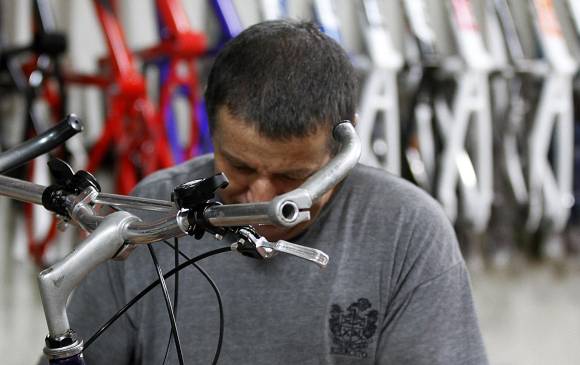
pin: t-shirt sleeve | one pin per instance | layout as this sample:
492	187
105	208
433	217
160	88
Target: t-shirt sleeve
434	324
431	316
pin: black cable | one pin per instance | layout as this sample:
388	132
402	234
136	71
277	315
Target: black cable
170	312
219	299
176	261
215	289
138	297
175	293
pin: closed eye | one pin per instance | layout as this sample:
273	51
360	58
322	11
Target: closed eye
243	168
299	176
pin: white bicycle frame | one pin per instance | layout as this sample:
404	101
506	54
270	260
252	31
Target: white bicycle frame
380	93
550	185
325	13
574	8
422	158
504	43
470	108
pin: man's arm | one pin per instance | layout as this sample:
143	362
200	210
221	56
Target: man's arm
431	316
434	324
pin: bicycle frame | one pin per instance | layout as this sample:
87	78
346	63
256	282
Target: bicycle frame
180	47
36	77
541	179
574	9
229	20
418	136
133	129
550	185
470	106
175	56
325	14
515	115
379	99
39	79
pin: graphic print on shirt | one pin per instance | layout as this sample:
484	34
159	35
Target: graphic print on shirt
352	330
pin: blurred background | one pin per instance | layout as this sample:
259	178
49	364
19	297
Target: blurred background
474	101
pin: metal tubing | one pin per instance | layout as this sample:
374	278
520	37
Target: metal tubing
339	166
21	190
238	214
165	228
57	282
285	210
135	202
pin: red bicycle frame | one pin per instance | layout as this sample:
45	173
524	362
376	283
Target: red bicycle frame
176	54
133	130
39	79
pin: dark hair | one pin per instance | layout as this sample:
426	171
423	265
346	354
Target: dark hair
286	78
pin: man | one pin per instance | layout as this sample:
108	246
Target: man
396	289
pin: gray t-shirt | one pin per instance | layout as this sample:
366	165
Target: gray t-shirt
396	290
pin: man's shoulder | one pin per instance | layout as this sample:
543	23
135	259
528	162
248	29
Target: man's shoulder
419	236
162	182
378	187
376	196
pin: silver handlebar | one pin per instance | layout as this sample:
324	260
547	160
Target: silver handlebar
286	210
112	233
117	230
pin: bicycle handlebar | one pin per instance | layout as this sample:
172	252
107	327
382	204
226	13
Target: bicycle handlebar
40	144
112	234
285	210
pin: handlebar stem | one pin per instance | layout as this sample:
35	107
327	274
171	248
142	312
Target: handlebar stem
57	282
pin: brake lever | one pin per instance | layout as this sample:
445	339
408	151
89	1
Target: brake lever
252	244
307	253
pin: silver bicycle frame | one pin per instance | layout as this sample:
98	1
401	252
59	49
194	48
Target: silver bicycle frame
422	158
574	8
550	186
470	108
380	93
325	13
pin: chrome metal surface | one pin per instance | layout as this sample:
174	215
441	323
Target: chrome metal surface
307	253
84	216
65	352
134	202
21	190
57	282
287	209
238	214
165	228
339	166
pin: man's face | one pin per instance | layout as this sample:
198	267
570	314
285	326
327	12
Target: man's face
259	168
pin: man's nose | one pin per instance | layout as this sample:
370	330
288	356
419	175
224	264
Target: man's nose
262	189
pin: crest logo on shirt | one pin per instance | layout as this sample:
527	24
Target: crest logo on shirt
352	330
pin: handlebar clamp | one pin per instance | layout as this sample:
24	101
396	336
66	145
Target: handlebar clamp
67	182
195	196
